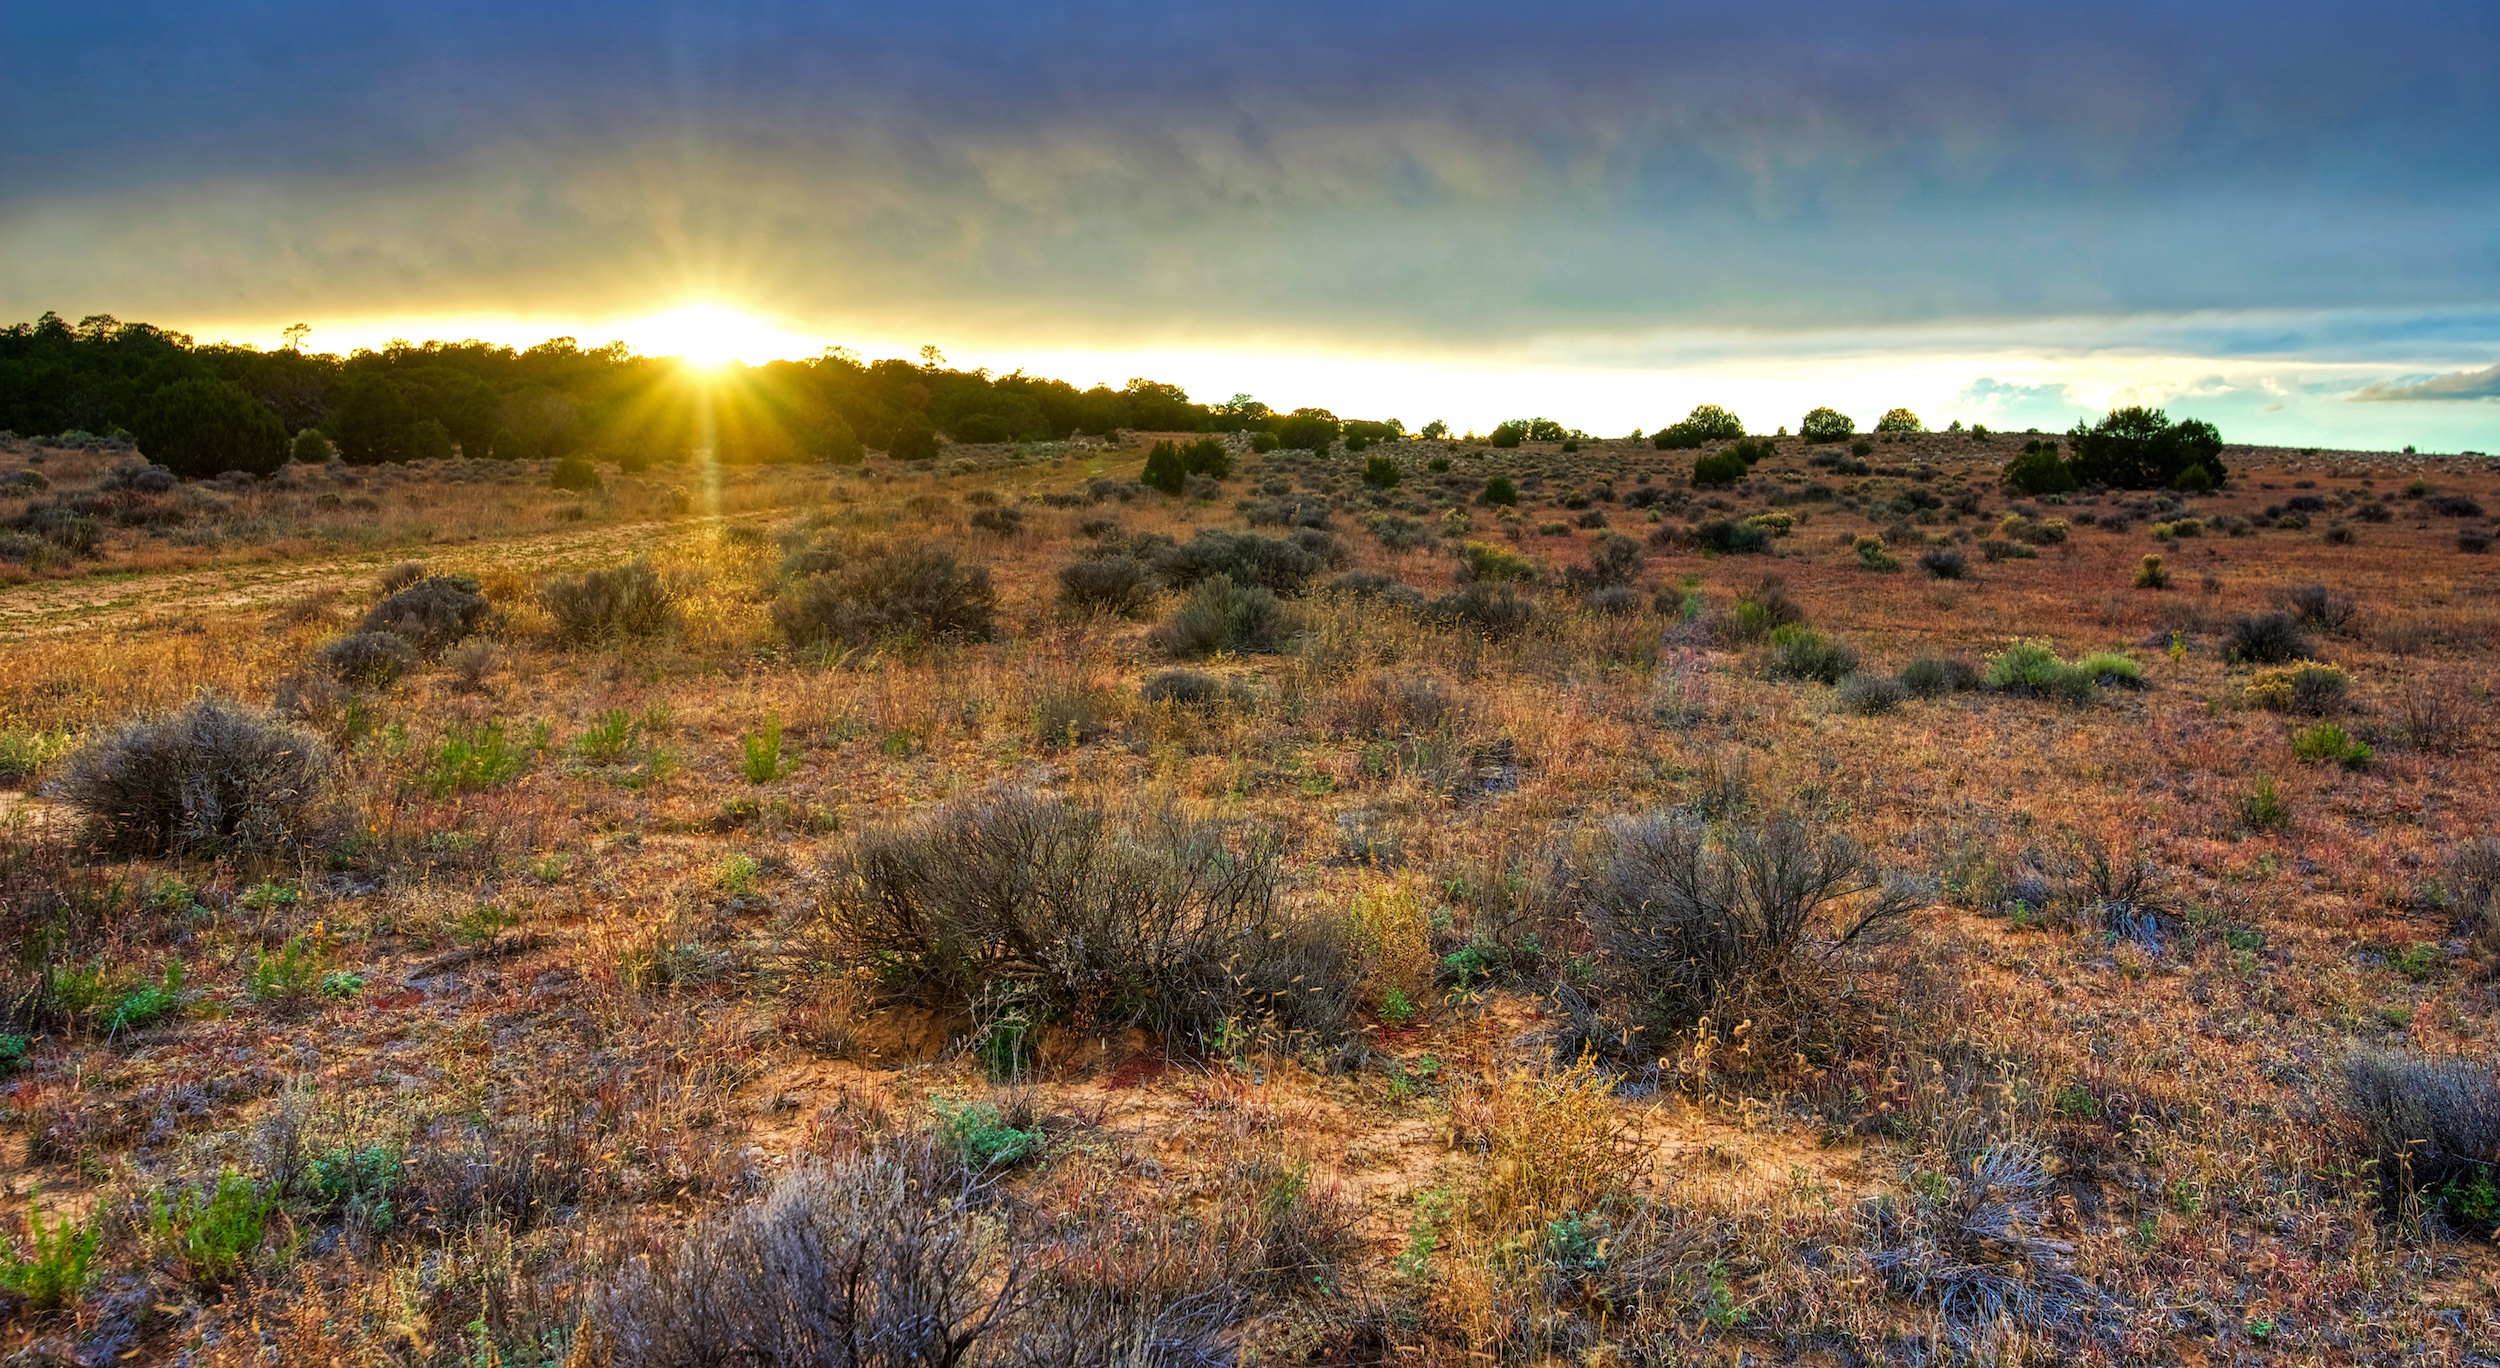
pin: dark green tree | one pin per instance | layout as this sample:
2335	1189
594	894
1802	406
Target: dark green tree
1707	423
372	423
2037	471
199	428
1166	469
1827	425
1719	471
1308	429
2141	448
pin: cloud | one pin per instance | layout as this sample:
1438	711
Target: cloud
2468	384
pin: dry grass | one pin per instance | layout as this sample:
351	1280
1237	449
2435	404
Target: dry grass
557	1002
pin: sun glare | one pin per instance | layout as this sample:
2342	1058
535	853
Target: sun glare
707	336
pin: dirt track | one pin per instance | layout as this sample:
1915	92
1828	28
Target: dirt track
122	601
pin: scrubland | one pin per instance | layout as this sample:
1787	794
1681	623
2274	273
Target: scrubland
989	912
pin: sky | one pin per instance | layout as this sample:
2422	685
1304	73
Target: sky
2283	217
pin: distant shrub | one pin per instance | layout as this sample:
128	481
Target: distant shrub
1484	562
1869	694
1159	921
2304	686
1220	615
1116	584
473	760
431	614
1722	471
1762	608
1375	587
1190	689
309	448
2030	667
1826	425
1725	537
998	522
2149	574
1380	472
1735	922
2474	881
575	473
1899	420
2264	639
1874	555
2318	607
1280	565
1799	652
1944	563
910	590
1613	559
1169	465
2032	531
2433	1126
1496	610
368	659
2111	670
2473	541
630	600
1934	676
214	778
1499	490
2327	743
1615	600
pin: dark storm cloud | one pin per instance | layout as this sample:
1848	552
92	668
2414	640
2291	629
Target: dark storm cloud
1399	167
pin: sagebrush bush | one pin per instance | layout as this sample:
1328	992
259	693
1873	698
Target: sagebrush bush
2433	1125
1943	562
2264	639
2319	607
431	614
913	590
889	1255
630	600
2304	686
1115	584
1733	922
1869	694
2474	881
1930	676
1485	563
215	778
2030	667
1191	689
1760	609
1219	615
1496	610
368	659
1282	566
1800	652
1157	920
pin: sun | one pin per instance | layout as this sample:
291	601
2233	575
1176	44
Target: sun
708	336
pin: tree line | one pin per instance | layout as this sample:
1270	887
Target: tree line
206	408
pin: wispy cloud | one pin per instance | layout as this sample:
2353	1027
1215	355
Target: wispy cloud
2466	384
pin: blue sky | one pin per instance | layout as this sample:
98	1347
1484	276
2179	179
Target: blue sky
2285	216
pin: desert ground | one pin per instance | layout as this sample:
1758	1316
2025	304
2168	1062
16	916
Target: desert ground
989	905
